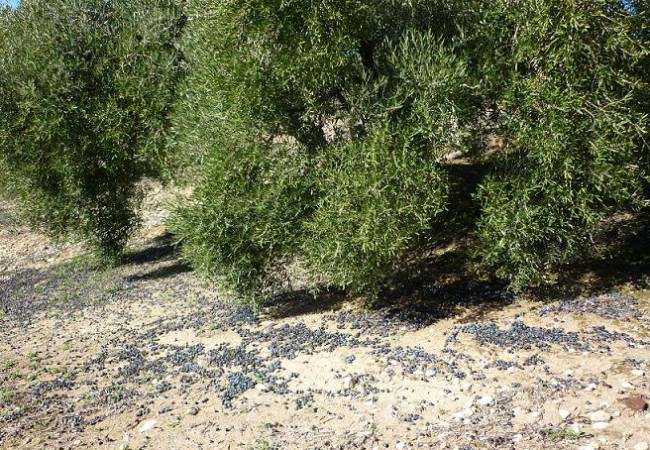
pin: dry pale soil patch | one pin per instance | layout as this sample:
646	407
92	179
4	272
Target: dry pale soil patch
146	356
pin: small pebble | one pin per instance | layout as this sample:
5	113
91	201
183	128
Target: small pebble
464	414
148	425
634	403
600	416
349	382
575	428
485	400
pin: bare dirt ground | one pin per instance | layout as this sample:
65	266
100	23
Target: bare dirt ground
147	356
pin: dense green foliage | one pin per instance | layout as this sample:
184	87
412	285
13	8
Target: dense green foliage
328	130
569	111
333	135
323	128
86	88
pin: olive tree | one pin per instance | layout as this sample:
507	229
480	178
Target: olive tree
86	90
331	134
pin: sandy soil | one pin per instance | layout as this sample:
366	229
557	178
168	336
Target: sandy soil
148	356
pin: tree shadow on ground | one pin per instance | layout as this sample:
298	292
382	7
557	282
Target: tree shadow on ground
302	302
159	251
441	284
17	296
162	272
82	281
626	262
444	279
421	295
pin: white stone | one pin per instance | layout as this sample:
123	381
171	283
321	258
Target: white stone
464	414
400	445
587	447
591	387
203	360
575	428
517	437
148	425
564	413
261	387
600	416
626	385
641	446
485	400
600	425
638	373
